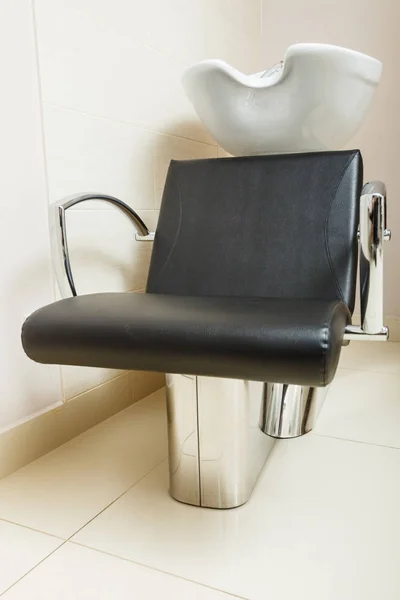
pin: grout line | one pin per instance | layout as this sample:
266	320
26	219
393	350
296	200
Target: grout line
134	404
229	594
114	120
135	39
32	569
24	420
44	150
154	161
65	541
116	499
198	442
342	439
95	387
368	371
32	529
64	399
45	168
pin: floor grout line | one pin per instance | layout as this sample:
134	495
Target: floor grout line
135	562
64	541
33	568
116	499
69	539
368	371
32	529
342	439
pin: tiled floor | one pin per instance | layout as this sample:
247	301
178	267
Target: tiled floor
93	519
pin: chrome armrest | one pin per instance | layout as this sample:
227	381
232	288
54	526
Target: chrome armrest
58	235
372	235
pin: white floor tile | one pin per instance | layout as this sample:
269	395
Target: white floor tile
20	550
364	407
323	522
77	573
383	357
63	490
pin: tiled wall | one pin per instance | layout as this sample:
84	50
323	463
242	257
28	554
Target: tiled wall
370	27
94	103
25	272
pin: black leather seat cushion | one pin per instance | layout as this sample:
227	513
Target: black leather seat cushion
262	339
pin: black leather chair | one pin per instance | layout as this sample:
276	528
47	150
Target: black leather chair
252	279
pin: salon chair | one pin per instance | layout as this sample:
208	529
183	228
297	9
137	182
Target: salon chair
249	300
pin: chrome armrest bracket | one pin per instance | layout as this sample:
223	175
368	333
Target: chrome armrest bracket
354	333
145	238
58	235
372	234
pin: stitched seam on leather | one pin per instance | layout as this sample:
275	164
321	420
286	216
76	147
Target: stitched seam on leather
179	225
325	343
326	240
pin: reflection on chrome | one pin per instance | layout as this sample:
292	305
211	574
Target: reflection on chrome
289	411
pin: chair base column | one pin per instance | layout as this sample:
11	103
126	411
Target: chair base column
289	411
216	448
216	428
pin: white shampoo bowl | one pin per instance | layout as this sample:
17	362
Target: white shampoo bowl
316	99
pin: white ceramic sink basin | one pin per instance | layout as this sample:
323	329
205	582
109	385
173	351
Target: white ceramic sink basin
316	99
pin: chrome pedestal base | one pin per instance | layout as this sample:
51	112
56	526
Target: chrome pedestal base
217	445
289	411
216	448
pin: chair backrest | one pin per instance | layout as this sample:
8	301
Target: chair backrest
260	226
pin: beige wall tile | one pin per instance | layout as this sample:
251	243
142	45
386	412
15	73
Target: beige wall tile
91	154
169	148
104	253
25	273
90	66
108	81
188	30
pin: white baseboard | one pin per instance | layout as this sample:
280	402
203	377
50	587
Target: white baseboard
30	440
